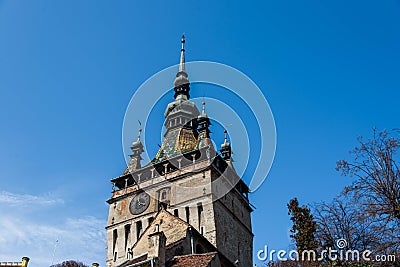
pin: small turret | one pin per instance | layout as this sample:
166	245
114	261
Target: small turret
203	123
226	150
25	261
137	150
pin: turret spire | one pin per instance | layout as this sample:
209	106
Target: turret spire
203	123
137	150
226	143
203	108
139	133
226	150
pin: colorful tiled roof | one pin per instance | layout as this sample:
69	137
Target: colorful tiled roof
176	143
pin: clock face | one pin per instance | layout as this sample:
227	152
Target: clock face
139	203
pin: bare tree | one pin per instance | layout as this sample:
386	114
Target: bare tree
377	184
366	214
342	219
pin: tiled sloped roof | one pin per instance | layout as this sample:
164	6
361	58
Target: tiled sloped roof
132	165
195	260
176	143
174	228
135	260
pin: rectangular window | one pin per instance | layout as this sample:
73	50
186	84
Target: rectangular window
187	214
139	229
176	212
115	237
150	220
199	213
127	235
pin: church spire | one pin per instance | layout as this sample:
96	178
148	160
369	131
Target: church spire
182	61
181	81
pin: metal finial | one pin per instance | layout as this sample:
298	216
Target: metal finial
203	111
138	136
183	42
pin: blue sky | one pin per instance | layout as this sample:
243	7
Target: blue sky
329	70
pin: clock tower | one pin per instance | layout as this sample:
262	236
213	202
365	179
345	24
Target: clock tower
189	190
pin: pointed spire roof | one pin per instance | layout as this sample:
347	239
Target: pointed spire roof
182	60
181	118
137	150
181	81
